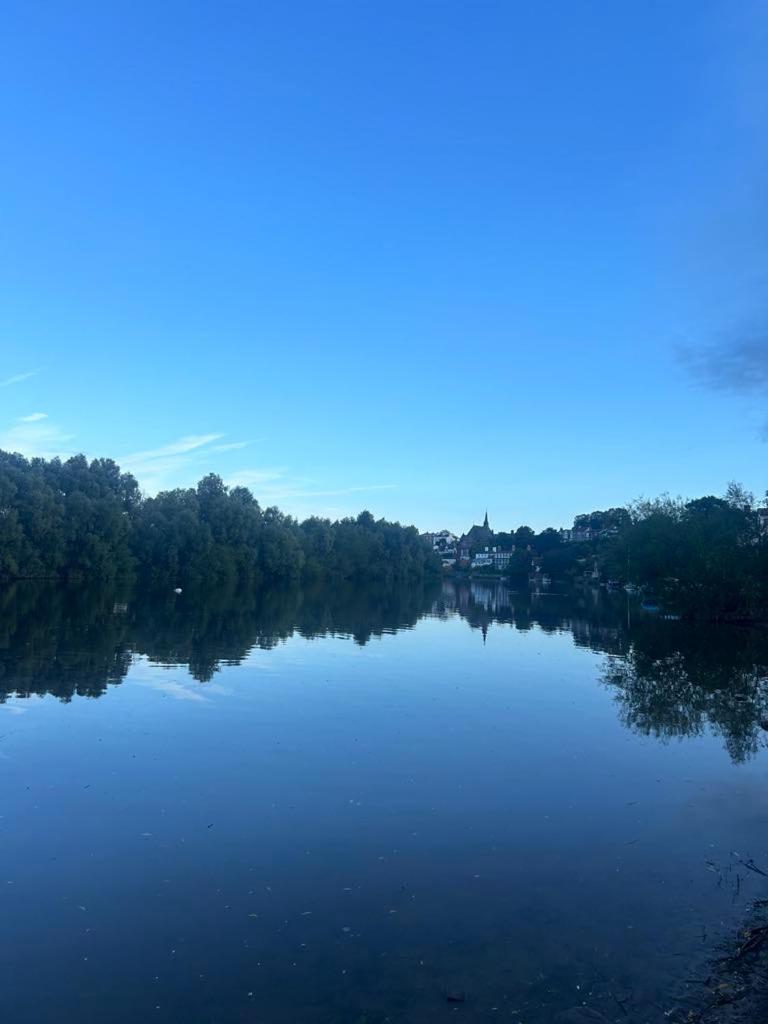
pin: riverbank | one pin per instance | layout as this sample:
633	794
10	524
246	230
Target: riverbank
733	987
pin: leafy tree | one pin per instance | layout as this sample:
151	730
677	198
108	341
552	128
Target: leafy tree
81	518
524	536
547	540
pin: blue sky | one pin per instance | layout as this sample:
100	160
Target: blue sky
417	257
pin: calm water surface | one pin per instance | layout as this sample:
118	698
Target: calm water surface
340	806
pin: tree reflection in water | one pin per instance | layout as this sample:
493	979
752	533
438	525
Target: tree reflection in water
676	680
78	641
669	679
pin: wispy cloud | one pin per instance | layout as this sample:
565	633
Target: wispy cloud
275	486
290	492
180	447
159	468
36	437
737	366
17	378
256	477
232	446
171	688
183	461
170	465
14	709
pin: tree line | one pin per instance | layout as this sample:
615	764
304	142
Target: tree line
80	518
703	557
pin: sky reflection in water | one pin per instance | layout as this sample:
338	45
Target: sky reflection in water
339	805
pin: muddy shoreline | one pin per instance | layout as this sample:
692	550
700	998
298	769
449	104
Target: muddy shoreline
731	988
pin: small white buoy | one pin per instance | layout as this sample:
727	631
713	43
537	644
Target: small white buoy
177	590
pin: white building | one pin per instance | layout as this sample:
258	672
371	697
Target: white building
444	543
492	557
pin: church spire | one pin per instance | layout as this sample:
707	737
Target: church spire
485	521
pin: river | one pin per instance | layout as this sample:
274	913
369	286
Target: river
369	805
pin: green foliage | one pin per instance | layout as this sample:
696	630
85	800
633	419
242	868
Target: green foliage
65	518
563	561
77	519
706	556
547	540
608	519
524	536
521	563
366	548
